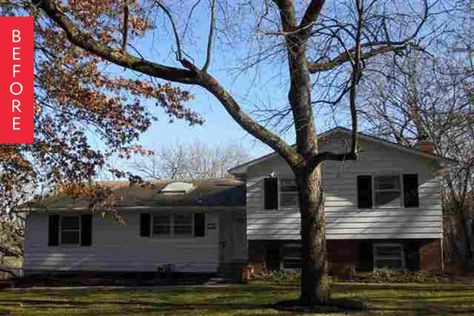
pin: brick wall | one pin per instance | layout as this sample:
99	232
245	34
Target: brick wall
430	255
344	256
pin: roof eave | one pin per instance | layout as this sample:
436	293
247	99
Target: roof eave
242	169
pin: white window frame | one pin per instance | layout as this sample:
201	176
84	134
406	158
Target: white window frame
297	258
79	230
172	233
192	225
402	189
280	193
376	258
152	224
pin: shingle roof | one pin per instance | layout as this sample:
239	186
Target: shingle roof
207	192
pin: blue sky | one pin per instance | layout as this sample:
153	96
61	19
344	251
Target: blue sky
267	85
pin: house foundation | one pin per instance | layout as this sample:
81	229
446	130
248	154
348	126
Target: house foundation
347	256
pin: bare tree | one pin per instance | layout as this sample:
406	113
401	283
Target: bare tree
324	47
188	161
421	99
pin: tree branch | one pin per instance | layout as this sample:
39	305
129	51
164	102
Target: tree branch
210	38
125	26
179	52
87	42
246	122
355	78
190	75
377	47
315	67
310	16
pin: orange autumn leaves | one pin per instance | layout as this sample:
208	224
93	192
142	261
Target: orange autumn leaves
86	110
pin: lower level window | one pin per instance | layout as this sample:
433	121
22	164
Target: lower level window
389	257
292	257
70	230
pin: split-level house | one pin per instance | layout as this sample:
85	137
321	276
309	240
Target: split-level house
382	211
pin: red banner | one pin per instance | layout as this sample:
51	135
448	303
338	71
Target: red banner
16	80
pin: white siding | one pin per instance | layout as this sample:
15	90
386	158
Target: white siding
269	224
344	219
117	247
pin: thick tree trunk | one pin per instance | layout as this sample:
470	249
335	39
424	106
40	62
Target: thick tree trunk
314	274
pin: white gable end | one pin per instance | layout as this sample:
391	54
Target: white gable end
343	217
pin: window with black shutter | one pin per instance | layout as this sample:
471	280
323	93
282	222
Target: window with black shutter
410	190
86	230
271	193
364	191
53	230
145	225
70	230
199	224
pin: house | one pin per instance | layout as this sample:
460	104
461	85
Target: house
382	211
196	226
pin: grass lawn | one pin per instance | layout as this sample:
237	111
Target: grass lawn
254	299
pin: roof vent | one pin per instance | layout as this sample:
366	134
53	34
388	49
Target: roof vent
175	188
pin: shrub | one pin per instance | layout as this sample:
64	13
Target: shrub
279	277
387	276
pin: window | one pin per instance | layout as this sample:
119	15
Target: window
292	257
183	225
162	224
389	257
70	230
179	225
288	193
387	190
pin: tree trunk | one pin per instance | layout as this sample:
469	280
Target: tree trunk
314	273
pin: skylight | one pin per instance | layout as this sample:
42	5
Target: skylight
177	188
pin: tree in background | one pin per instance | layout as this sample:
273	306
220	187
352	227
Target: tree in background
430	98
188	161
324	49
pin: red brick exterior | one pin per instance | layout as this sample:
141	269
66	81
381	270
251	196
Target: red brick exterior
344	257
430	255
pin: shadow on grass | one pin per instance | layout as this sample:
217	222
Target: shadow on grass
31	303
341	305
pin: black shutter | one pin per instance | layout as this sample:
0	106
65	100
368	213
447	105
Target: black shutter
271	193
412	255
145	224
53	230
410	190
364	191
365	256
199	224
86	230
